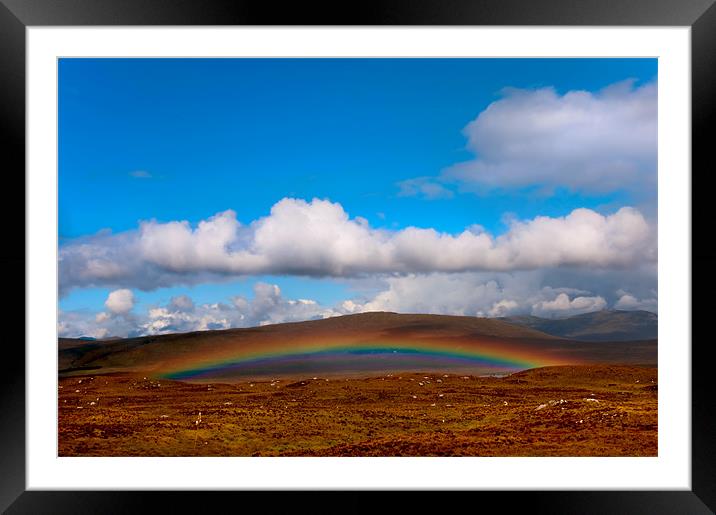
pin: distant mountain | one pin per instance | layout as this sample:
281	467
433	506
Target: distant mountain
607	325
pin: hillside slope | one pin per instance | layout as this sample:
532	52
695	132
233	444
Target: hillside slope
351	344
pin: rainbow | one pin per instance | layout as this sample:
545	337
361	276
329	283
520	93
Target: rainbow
371	355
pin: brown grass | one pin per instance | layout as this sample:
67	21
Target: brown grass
390	415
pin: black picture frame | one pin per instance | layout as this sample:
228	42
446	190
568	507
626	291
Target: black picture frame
17	15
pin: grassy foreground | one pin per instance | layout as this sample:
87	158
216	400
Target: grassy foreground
552	411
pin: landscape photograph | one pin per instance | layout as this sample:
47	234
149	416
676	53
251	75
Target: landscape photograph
353	257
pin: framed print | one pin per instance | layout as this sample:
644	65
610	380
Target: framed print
419	248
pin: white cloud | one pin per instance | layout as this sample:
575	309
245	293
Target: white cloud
268	306
503	308
629	302
160	320
484	294
563	306
588	142
181	314
73	324
455	294
478	294
120	302
318	238
118	320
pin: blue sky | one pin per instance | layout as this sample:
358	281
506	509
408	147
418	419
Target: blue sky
185	139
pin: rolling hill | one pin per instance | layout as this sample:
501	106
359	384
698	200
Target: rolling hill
346	345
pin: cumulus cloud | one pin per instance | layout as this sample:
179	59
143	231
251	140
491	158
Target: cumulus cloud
629	302
479	294
169	319
455	294
584	141
503	308
318	238
268	306
73	324
180	314
482	294
120	302
118	320
564	306
423	187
